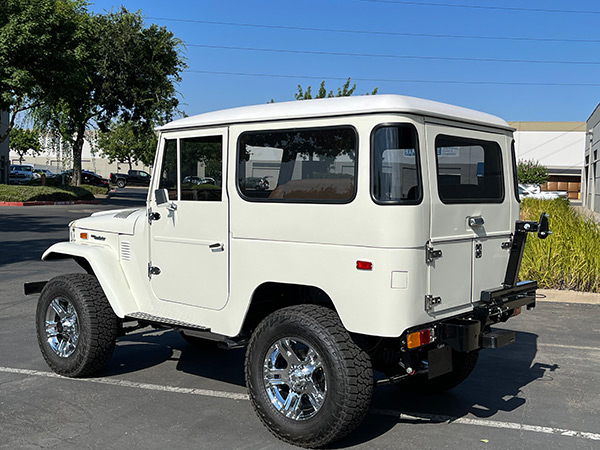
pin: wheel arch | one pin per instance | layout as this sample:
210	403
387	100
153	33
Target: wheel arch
271	296
103	263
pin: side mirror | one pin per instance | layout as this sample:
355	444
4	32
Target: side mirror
544	227
162	196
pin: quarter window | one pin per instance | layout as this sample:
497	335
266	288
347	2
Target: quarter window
316	165
469	170
395	165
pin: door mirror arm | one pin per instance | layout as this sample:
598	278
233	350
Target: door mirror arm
162	199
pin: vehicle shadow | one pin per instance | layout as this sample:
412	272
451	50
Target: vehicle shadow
495	385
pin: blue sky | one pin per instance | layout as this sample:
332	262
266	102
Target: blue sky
428	66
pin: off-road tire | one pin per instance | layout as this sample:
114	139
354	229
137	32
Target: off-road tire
462	366
346	367
121	183
97	323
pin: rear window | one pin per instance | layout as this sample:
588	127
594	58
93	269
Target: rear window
469	170
309	165
395	170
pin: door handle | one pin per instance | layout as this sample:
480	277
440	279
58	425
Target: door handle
217	246
476	221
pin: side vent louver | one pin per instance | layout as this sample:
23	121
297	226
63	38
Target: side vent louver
125	251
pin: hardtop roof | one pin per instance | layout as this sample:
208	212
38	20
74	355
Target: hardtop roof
338	106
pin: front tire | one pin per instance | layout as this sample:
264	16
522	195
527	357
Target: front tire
76	326
308	381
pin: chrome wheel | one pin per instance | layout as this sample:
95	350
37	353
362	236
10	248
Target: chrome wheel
294	379
62	327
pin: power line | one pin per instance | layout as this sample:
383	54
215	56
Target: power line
395	80
496	8
379	55
373	32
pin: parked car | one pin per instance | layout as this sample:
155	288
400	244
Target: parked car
534	191
94	179
47	172
397	259
192	179
132	178
22	173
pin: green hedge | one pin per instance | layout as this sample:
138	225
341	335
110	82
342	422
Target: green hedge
11	193
570	257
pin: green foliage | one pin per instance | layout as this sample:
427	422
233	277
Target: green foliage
344	91
37	47
43	193
531	172
124	69
570	257
24	141
128	143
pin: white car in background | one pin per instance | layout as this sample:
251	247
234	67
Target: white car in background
535	191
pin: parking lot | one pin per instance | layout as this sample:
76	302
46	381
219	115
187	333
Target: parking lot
542	392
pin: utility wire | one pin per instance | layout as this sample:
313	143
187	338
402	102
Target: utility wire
395	80
379	55
496	8
373	32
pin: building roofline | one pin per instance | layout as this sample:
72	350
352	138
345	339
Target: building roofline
549	126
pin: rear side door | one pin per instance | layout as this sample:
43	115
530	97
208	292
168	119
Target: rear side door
470	216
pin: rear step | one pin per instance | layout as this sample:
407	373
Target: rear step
497	338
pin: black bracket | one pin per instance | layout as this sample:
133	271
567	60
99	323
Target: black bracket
522	228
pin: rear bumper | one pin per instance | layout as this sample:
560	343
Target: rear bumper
472	332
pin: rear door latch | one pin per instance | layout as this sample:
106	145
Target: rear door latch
431	301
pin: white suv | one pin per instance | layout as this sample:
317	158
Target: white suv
386	239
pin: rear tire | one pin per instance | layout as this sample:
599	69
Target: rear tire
121	183
308	381
76	326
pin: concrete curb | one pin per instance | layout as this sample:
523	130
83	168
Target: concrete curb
554	295
73	202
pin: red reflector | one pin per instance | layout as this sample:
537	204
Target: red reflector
425	336
364	265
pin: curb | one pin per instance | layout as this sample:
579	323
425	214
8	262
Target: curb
554	295
72	202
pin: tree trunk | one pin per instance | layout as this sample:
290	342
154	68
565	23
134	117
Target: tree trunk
77	151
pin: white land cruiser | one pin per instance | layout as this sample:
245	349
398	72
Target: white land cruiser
386	238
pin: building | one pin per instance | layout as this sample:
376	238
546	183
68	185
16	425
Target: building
4	157
57	158
559	147
591	167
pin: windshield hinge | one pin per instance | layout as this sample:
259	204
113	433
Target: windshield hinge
431	254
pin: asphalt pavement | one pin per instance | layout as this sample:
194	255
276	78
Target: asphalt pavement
542	392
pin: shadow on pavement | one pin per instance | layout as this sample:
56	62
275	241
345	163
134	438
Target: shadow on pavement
494	386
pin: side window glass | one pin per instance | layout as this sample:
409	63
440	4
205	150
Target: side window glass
201	168
395	165
515	173
469	170
315	165
168	176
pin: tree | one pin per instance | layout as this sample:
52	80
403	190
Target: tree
37	44
344	91
125	70
24	141
129	144
531	172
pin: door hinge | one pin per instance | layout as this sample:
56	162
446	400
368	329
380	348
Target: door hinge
431	253
152	270
152	216
478	250
431	301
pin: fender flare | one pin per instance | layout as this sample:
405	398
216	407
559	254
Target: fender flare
105	266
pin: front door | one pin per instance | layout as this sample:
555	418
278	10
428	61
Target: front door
189	247
470	217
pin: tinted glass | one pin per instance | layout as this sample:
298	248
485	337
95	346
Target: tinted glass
396	175
201	168
514	168
168	174
469	170
300	165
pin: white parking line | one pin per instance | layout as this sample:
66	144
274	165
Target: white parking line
385	412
